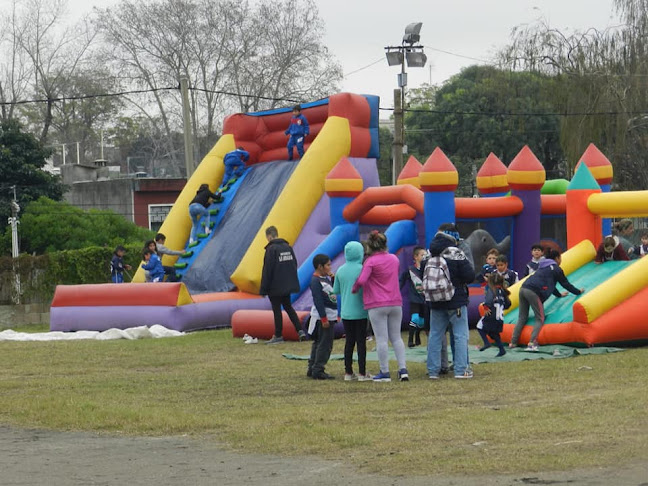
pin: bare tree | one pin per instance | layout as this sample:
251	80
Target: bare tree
236	57
55	50
15	71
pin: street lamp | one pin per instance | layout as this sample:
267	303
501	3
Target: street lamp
412	54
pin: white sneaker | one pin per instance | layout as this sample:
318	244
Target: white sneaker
366	377
350	377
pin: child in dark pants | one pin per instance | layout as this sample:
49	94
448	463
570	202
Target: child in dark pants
495	302
323	317
354	315
414	276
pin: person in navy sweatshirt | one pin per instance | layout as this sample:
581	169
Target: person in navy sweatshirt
535	290
414	277
510	276
297	131
234	162
323	317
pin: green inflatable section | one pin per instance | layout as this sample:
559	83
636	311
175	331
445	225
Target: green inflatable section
555	186
588	277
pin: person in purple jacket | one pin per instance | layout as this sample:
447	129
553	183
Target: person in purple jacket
382	299
535	290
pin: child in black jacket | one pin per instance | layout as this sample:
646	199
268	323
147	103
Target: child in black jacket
323	317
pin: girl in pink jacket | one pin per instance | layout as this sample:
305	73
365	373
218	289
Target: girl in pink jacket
382	299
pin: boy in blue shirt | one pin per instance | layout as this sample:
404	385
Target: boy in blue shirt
323	317
153	265
297	131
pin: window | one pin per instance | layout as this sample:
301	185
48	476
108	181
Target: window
157	213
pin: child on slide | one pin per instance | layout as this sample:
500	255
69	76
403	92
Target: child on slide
535	291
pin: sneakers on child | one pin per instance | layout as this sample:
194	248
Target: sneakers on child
365	377
433	377
302	336
350	377
468	374
382	377
532	347
275	340
403	375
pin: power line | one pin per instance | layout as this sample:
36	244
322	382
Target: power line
530	113
380	59
458	55
84	97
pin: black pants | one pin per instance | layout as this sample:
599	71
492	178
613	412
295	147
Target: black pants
277	302
321	348
170	274
355	331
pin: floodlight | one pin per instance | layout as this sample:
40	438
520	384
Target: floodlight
416	59
412	32
394	58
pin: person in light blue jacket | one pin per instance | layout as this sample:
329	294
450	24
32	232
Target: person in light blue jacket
353	313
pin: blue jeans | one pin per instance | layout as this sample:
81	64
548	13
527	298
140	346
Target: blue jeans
196	210
440	320
296	140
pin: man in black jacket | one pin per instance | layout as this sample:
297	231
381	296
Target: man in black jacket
278	281
453	312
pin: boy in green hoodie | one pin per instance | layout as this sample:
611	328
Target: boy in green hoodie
354	315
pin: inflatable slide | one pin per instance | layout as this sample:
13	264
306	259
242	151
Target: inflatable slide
222	273
607	314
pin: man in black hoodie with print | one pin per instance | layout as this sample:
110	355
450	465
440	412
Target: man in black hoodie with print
278	281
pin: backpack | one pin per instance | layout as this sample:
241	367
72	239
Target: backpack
437	285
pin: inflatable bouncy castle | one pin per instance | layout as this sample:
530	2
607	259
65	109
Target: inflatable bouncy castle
333	196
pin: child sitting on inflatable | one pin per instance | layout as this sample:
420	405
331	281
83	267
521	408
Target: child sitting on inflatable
610	250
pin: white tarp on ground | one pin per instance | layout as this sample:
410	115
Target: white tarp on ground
142	332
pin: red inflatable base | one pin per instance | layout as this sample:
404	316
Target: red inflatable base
260	324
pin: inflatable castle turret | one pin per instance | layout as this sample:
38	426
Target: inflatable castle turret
439	180
582	224
492	181
342	185
526	175
602	170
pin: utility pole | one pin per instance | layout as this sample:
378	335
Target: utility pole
397	146
13	221
186	122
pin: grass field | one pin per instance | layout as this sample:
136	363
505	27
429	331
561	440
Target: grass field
536	415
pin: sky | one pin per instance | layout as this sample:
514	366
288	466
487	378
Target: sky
453	32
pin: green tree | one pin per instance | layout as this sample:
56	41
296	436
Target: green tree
601	82
479	111
48	226
22	158
385	140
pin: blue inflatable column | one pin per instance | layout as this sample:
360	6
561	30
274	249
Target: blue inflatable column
439	180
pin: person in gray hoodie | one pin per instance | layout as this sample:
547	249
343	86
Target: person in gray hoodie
354	315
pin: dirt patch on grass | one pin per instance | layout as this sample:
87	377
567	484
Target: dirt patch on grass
29	457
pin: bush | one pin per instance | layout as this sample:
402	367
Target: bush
39	275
